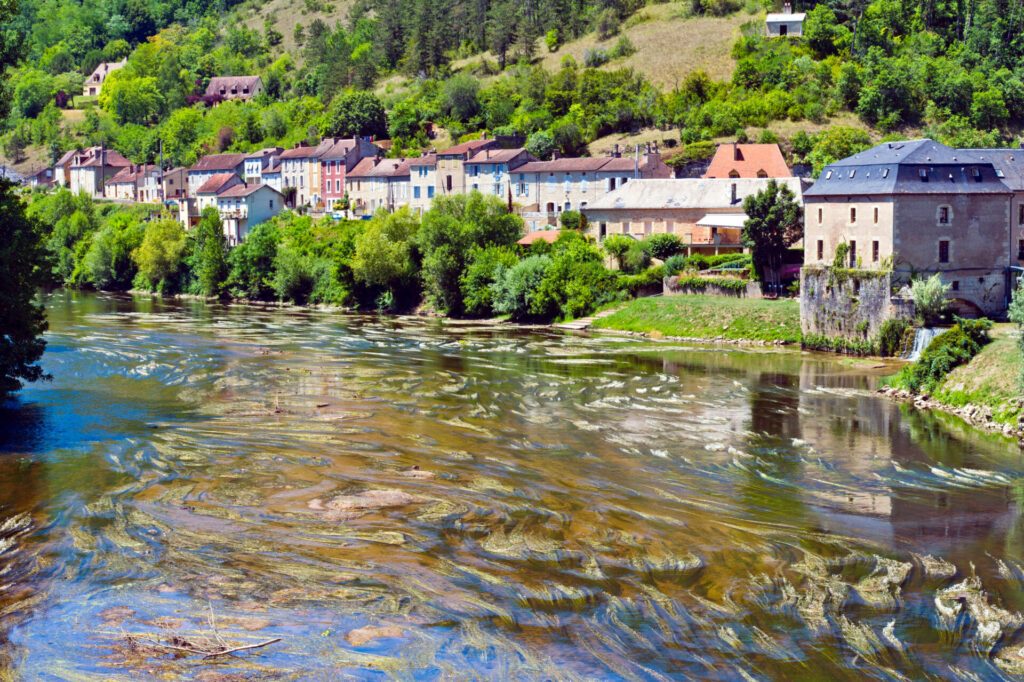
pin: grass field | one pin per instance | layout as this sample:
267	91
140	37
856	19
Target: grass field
709	317
991	379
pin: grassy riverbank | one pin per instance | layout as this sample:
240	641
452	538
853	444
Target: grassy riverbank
990	380
709	317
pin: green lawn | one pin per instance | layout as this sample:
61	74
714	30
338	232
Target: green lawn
991	379
709	317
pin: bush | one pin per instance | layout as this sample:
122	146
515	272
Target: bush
675	264
515	288
664	246
636	259
929	297
477	282
573	220
595	57
945	353
891	337
623	48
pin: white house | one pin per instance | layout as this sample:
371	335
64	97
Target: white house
214	164
243	207
785	24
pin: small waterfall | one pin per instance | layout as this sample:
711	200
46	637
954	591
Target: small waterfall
922	337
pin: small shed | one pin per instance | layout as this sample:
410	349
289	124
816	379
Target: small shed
787	23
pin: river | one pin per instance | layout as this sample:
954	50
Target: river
415	499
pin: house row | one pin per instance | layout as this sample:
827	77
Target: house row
922	208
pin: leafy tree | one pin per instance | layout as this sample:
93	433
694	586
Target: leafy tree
450	229
1017	317
460	100
477	282
515	288
208	261
385	254
929	296
22	319
773	224
33	90
617	245
837	143
664	246
251	263
160	256
108	263
131	100
354	114
541	144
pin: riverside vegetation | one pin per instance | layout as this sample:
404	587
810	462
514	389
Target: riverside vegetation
410	69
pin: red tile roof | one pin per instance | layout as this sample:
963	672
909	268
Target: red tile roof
549	236
217	183
237	83
363	169
131	174
466	147
748	161
219	162
243	190
425	160
91	158
497	155
300	152
581	164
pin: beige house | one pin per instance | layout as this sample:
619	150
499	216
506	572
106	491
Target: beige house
211	165
707	214
422	182
547	188
377	183
128	184
450	169
234	87
90	169
94	83
925	208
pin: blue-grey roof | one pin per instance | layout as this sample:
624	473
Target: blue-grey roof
915	167
1008	162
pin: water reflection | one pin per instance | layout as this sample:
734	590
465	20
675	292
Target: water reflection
503	503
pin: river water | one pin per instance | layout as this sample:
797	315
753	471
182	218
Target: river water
414	499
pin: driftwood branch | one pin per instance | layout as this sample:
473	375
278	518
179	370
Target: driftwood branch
206	653
242	648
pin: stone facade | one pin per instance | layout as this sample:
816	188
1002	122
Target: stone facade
847	304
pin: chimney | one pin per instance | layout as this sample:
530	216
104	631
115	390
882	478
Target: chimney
736	155
616	153
787	8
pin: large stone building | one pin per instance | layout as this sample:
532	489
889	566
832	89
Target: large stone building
707	214
922	208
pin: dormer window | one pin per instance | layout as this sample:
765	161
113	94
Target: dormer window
999	174
885	172
828	175
853	173
922	173
977	174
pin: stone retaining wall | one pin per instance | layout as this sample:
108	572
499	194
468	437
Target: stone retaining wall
673	288
848	304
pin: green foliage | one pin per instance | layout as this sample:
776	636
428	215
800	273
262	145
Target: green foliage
637	257
773	225
617	245
891	337
22	320
108	263
838	344
836	143
160	257
208	258
1017	317
573	220
945	353
385	254
675	264
929	296
355	114
451	229
477	281
251	263
515	288
664	246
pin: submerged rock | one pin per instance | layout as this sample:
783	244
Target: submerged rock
352	506
883	587
369	633
937	568
990	622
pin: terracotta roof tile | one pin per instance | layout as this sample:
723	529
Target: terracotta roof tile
242	190
748	160
219	162
466	147
216	183
497	155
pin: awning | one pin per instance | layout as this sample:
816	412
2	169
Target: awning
734	220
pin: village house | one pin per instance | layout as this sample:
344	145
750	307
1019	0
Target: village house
90	169
170	185
450	170
921	208
126	185
748	161
234	87
336	161
256	162
271	175
244	206
62	169
423	182
94	83
545	189
706	214
489	171
214	164
376	184
786	23
1009	165
42	178
191	208
300	168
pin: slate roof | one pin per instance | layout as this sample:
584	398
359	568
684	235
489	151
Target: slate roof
243	190
915	167
1009	162
700	193
219	162
493	156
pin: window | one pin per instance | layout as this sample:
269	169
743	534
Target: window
853	254
944	251
922	173
337	185
734	198
1020	249
828	175
551	179
821	249
853	215
956	285
853	173
604	229
874	251
977	174
885	172
448	182
876	215
943	215
611	185
271	204
430	192
1020	214
416	192
819	216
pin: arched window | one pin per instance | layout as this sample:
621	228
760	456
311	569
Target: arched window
734	174
762	174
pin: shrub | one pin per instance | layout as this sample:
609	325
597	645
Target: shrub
514	288
636	259
929	297
945	353
891	336
573	220
595	57
623	48
675	264
617	245
697	262
664	246
477	281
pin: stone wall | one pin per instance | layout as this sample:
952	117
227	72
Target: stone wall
672	287
847	304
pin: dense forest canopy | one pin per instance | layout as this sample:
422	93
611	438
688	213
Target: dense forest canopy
950	69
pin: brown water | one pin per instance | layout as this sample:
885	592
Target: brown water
553	507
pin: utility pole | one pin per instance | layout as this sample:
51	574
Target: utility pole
160	174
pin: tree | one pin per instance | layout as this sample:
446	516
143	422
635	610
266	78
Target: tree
773	224
664	246
131	100
209	258
1017	317
385	253
22	319
929	297
108	263
460	99
159	257
251	263
837	143
355	114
